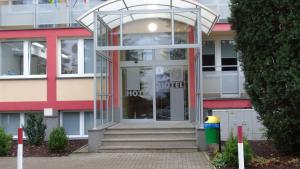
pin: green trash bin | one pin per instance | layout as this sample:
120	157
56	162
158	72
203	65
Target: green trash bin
212	130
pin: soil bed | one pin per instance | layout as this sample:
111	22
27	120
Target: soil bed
267	157
43	151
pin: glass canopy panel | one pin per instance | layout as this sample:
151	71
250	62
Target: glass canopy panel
150	7
132	3
183	4
88	21
147	29
127	5
107	36
115	6
184	33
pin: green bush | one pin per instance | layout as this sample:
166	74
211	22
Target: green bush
35	129
230	155
58	140
268	41
5	142
219	161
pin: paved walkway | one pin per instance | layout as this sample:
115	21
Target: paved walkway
114	161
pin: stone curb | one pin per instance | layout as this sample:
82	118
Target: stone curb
207	158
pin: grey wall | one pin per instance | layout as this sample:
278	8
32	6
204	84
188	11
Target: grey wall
231	118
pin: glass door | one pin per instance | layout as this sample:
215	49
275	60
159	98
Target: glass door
154	85
171	93
137	92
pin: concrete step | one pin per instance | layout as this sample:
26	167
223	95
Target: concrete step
136	135
145	149
152	129
150	142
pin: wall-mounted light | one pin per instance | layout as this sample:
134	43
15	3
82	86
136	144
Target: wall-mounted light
152	27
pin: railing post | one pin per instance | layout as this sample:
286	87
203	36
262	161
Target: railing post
35	13
241	148
20	149
70	9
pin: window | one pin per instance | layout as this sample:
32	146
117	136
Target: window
228	55
12	58
208	55
10	122
77	123
38	55
21	2
77	57
70	121
88	121
69	56
88	56
22	58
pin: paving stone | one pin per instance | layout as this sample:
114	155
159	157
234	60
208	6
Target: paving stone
195	160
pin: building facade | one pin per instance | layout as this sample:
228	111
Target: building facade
47	66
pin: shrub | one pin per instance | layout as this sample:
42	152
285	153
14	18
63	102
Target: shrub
230	155
268	38
219	161
231	152
58	140
5	142
35	129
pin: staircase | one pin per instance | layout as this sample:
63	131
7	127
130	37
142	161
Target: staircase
149	139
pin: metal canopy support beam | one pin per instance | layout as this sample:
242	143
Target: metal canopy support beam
95	70
150	11
175	46
199	83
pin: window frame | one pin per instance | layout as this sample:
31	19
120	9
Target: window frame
229	66
81	123
26	60
214	66
80	59
22	121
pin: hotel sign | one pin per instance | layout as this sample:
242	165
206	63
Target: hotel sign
160	86
169	85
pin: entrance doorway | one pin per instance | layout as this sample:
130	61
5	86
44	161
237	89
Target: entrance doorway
154	87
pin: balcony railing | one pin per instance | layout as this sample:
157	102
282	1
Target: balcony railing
223	84
63	15
42	15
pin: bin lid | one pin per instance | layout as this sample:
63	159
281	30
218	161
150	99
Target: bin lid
213	119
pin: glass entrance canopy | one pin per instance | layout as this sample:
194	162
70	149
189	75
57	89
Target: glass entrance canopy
208	17
149	24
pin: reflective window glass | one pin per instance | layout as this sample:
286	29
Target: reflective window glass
171	93
208	54
71	122
88	121
38	58
10	122
229	55
69	56
11	58
88	56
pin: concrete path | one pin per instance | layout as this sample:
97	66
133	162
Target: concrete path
114	161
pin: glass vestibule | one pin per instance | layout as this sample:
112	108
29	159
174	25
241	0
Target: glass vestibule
114	15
